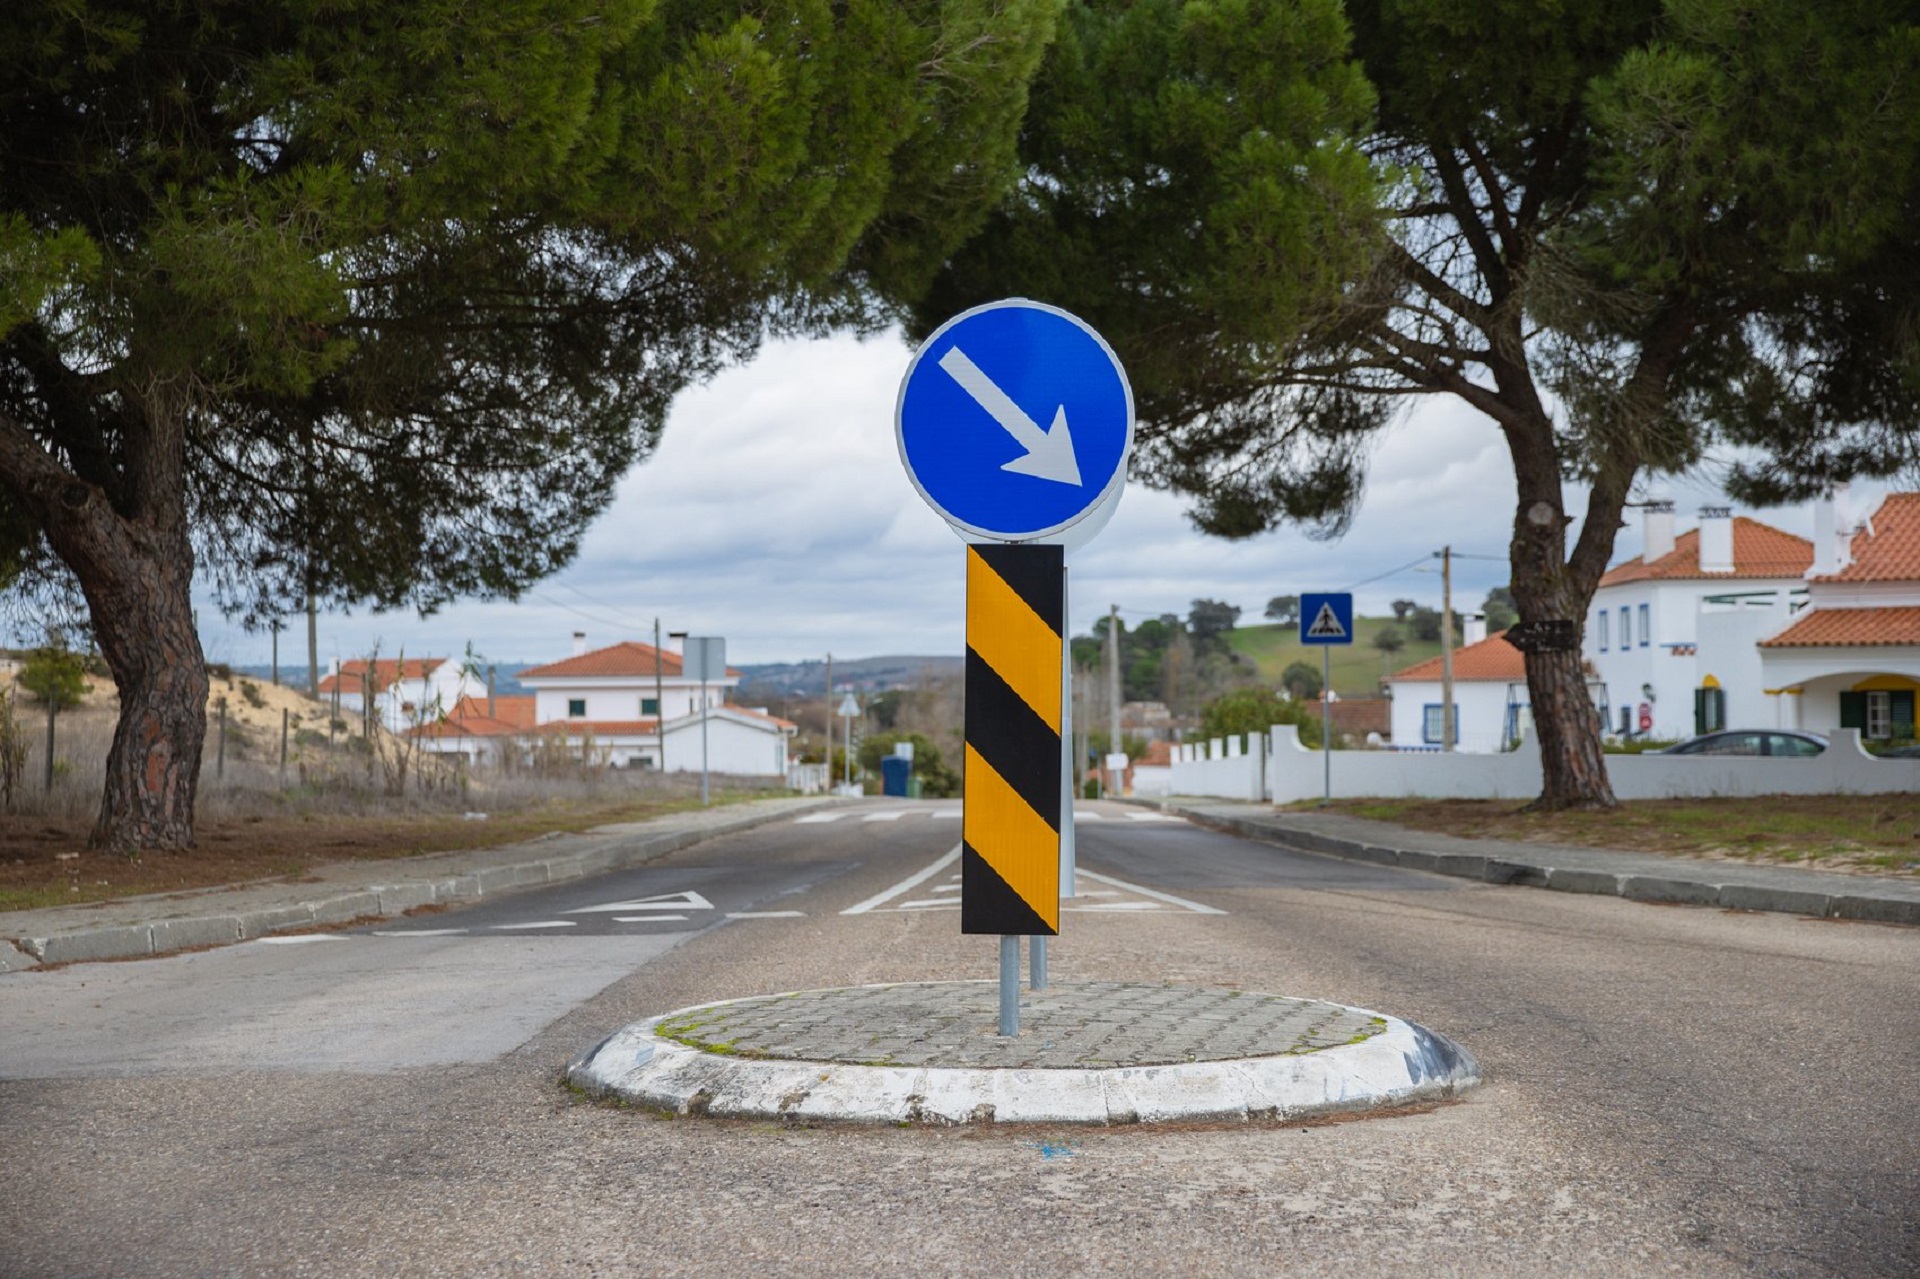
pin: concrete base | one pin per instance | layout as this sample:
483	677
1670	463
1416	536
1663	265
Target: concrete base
1400	1064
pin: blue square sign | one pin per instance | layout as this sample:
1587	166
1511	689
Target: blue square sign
1326	619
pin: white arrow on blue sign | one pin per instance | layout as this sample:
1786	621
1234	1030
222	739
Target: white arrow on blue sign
969	421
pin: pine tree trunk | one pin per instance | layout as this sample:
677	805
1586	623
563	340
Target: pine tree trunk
131	552
1573	772
143	621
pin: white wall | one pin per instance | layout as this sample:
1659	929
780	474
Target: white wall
1844	768
1229	768
732	747
1480	713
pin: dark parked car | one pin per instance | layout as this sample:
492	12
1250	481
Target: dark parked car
1902	752
1752	741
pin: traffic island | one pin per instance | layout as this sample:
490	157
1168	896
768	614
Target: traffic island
1088	1053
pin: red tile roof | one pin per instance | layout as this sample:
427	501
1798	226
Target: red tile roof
469	718
1759	550
1887	547
352	677
626	658
759	714
1490	659
1850	628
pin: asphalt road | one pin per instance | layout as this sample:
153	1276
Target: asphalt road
1670	1090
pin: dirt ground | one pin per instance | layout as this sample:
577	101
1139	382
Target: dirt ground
1866	834
45	862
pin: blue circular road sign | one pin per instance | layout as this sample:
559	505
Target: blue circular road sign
1015	421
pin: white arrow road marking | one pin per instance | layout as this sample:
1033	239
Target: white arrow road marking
818	817
1049	453
688	900
893	816
424	932
1169	898
299	939
766	914
548	923
906	885
646	919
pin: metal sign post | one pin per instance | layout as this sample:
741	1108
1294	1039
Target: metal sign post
704	659
1326	620
969	423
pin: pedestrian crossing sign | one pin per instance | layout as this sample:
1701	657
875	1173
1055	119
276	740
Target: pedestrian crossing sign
1326	619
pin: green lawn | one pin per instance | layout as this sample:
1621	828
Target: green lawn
1357	667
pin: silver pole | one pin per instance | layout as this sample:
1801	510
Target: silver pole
1010	985
1326	720
1037	963
1069	770
703	727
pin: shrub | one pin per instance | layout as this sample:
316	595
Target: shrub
54	674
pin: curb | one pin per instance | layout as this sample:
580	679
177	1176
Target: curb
134	941
1405	1064
1675	889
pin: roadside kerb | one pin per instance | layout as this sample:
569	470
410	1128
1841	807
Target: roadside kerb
604	849
1640	877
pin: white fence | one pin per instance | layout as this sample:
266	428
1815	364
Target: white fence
1844	768
1227	767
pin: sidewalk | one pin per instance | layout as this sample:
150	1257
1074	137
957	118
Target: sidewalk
344	891
1644	877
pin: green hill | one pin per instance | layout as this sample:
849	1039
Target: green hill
1357	667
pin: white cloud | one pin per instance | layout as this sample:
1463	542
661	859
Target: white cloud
775	512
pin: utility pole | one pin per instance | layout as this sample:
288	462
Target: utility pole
1113	688
1446	649
826	728
313	641
274	626
659	697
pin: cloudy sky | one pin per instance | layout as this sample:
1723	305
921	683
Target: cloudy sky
775	513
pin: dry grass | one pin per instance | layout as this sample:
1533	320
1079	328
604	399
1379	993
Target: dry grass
255	821
1870	834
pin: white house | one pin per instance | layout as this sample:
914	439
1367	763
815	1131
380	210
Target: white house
405	692
1490	701
1673	632
1851	657
630	702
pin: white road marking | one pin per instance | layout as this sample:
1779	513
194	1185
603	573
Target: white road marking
818	817
1169	898
945	888
1117	906
688	900
906	885
298	940
894	816
1088	815
943	814
545	923
647	919
933	903
1154	817
766	914
423	932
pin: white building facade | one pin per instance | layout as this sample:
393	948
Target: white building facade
1491	705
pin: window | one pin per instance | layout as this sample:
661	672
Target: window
1879	714
1603	630
1709	710
1646	626
649	706
576	708
1626	629
1431	727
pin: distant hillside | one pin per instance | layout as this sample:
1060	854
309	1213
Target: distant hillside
1357	667
869	674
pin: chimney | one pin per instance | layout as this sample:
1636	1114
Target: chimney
1473	628
1716	539
1832	533
579	643
676	642
1656	528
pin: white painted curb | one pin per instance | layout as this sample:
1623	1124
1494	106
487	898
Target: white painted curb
1405	1063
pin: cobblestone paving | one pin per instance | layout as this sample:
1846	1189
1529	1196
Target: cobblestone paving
1086	1025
